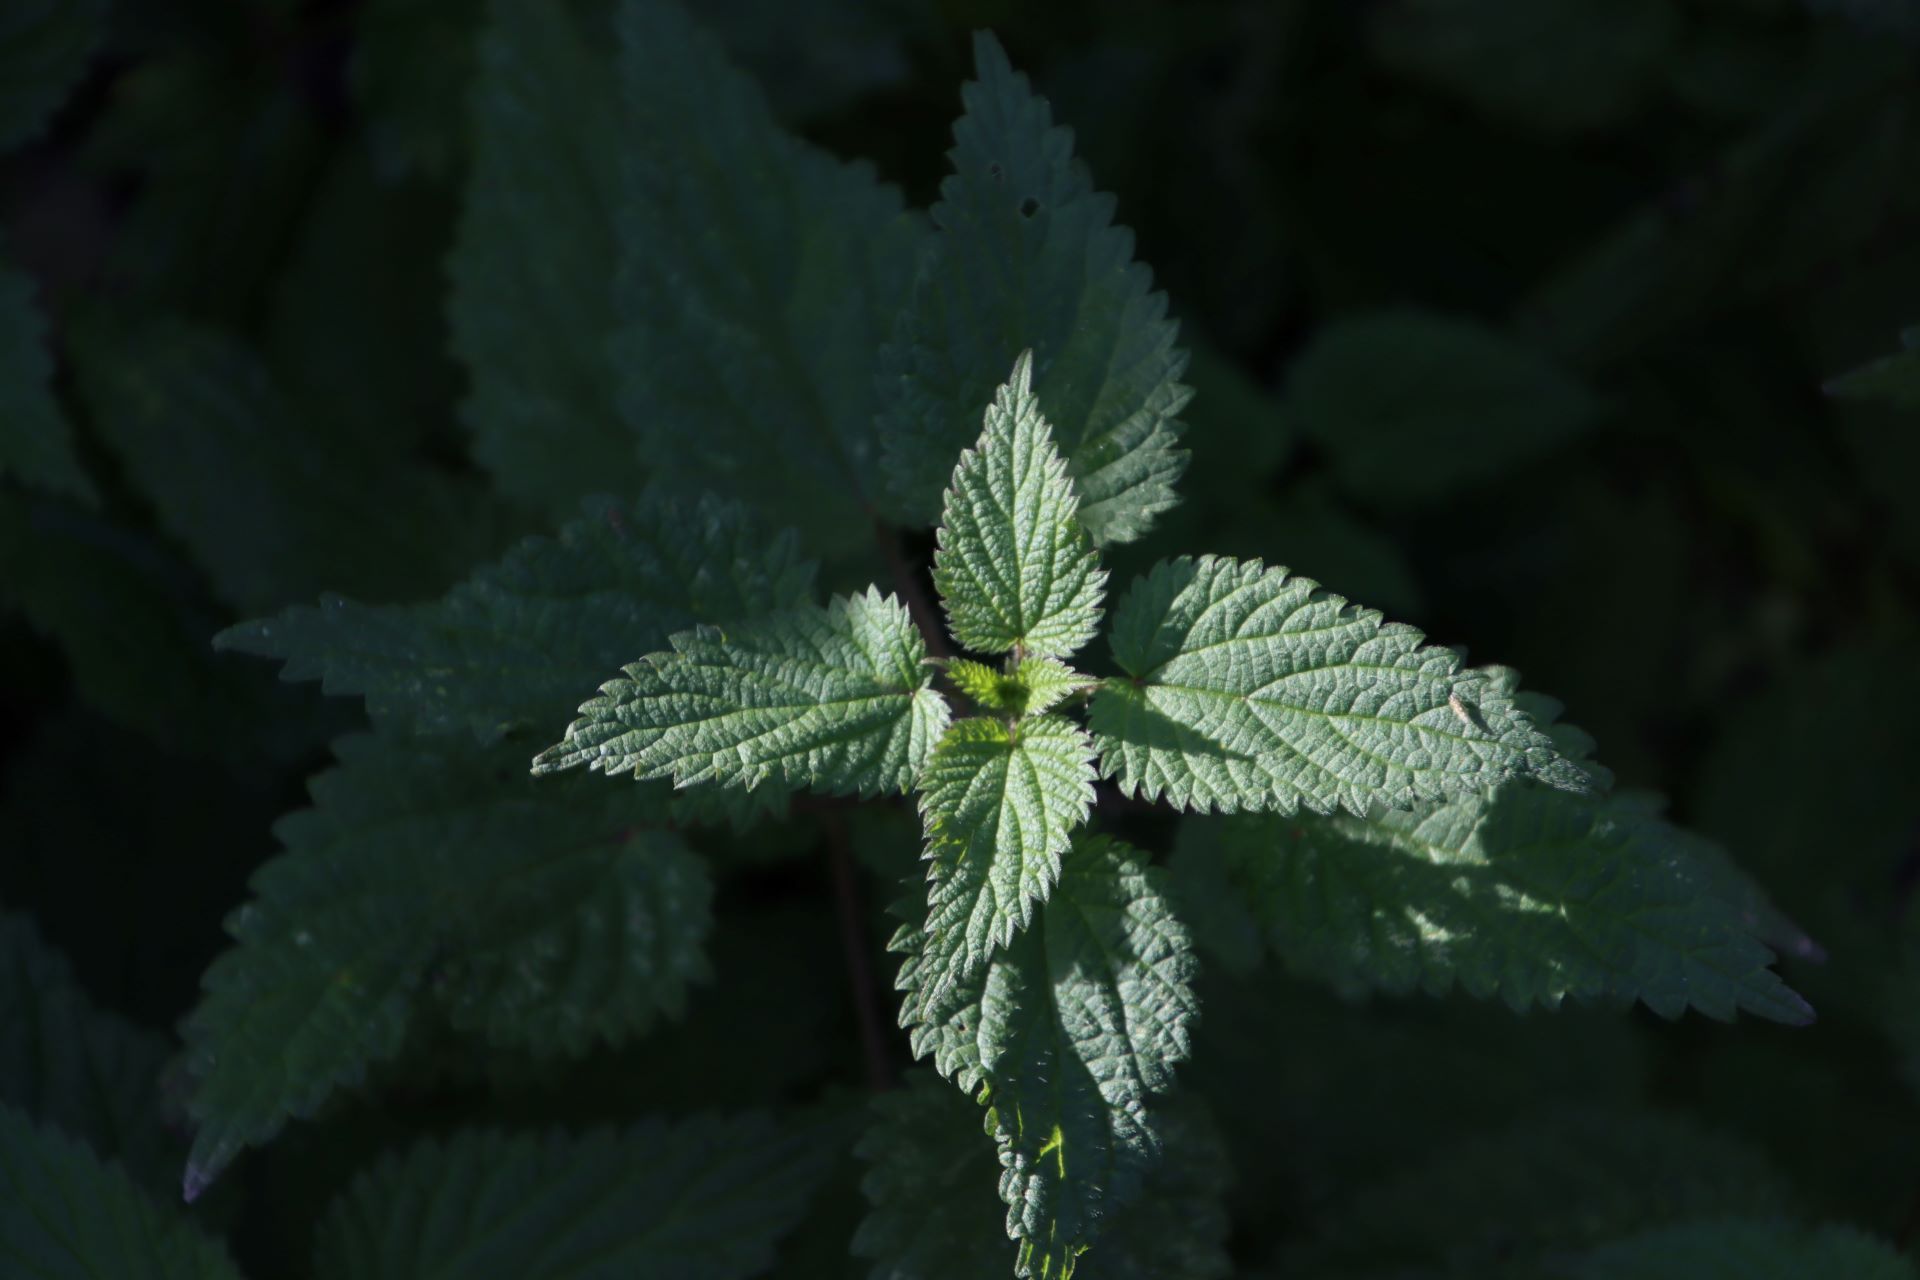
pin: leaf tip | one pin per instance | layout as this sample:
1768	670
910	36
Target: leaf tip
989	57
197	1178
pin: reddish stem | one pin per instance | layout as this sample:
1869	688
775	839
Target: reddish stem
853	940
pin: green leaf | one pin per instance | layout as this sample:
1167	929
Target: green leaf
1894	379
513	645
356	335
1032	687
68	1216
1000	803
412	65
266	501
930	1172
45	47
1555	67
36	442
757	278
706	1198
1048	684
1250	688
532	302
987	687
1529	895
1737	1249
550	916
90	1073
1028	258
1065	1035
219	147
1554	1182
837	699
932	1217
1413	406
87	582
1013	566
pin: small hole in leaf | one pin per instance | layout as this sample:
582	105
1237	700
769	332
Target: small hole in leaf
1029	207
994	171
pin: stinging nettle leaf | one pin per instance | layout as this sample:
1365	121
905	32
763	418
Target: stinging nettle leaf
68	1214
1032	687
1568	1179
987	687
1027	257
757	278
45	47
1556	67
1049	683
1412	405
1000	803
36	441
1529	895
1249	688
1740	1249
931	1214
1065	1036
513	646
273	503
1893	379
548	916
90	1073
532	302
705	1198
1013	566
839	699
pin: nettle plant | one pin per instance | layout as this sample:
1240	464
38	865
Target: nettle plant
1048	972
1364	807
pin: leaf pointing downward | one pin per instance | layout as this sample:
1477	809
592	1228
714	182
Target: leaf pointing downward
1000	803
1065	1036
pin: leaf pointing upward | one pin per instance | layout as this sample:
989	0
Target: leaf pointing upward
1013	564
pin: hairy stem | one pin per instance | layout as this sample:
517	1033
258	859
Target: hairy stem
853	940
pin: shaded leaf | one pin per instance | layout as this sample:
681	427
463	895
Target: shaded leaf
1529	895
269	506
513	645
757	278
1735	1249
36	441
89	1073
68	1216
1028	257
1557	1182
1894	379
45	46
931	1216
438	881
532	302
1554	66
706	1198
1065	1036
1415	406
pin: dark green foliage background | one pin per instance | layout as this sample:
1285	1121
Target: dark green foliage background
1701	211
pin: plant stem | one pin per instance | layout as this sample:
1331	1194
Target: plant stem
911	590
853	940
